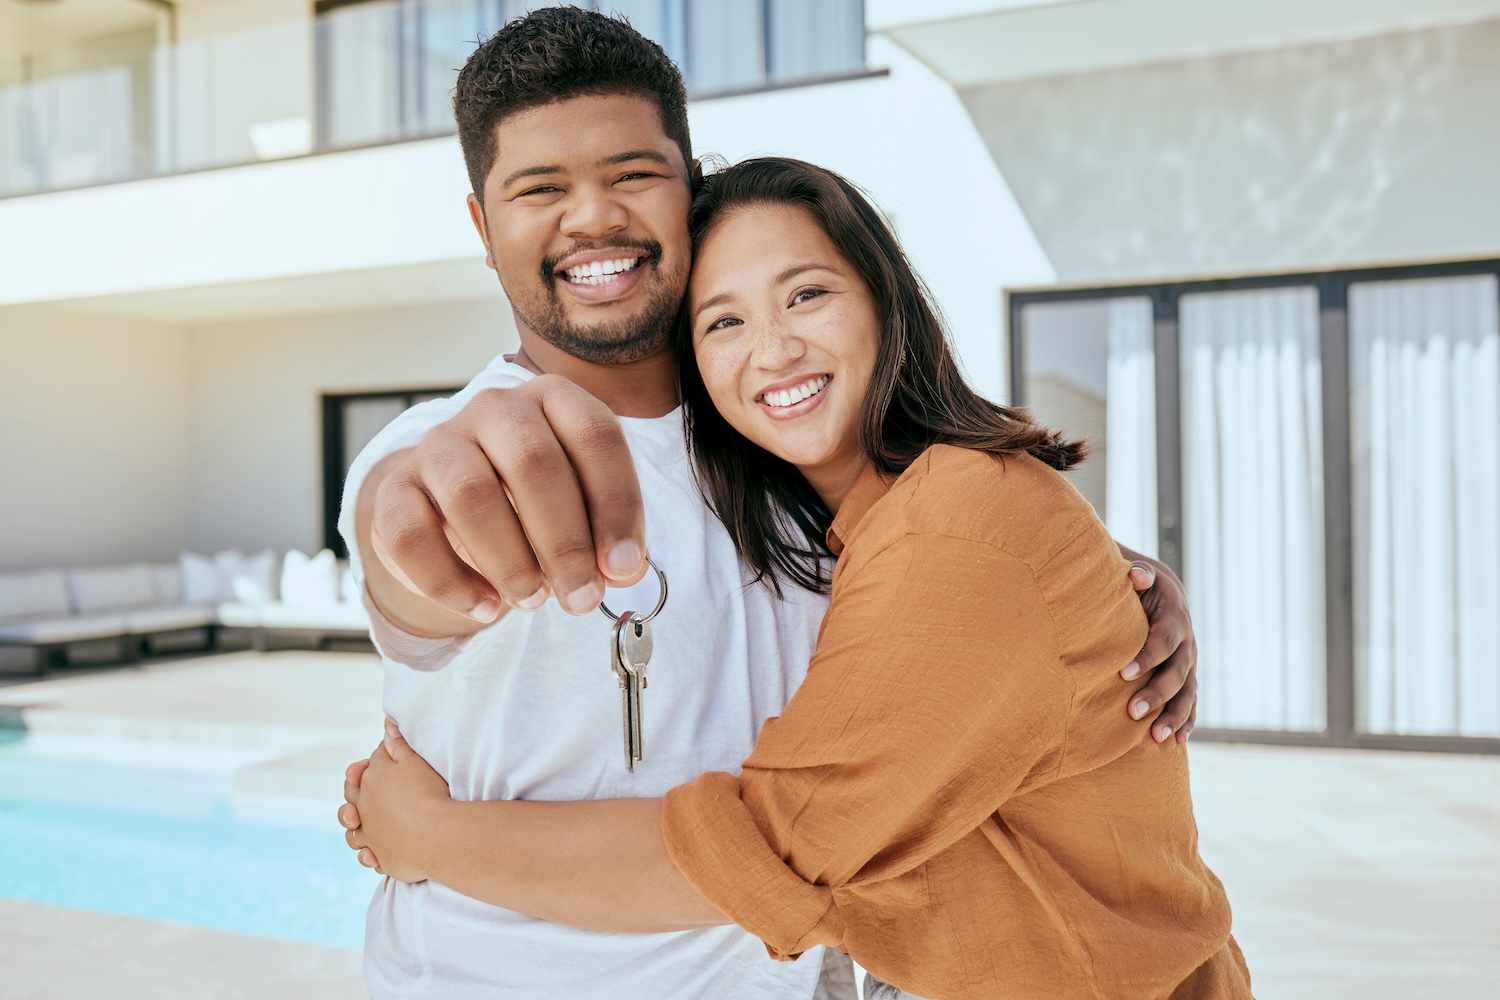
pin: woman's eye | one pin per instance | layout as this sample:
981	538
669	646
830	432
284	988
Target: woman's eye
724	323
806	295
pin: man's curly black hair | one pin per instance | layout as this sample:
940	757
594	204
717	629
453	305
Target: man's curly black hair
550	55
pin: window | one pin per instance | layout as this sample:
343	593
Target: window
386	67
1326	480
351	421
1424	408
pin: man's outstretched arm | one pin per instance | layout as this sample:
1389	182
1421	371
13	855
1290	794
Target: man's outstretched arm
527	493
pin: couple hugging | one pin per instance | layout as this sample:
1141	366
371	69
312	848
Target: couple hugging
885	718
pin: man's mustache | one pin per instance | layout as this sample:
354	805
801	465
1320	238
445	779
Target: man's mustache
650	249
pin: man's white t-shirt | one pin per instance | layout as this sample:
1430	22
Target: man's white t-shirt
529	709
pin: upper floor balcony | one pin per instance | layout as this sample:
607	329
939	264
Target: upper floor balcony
98	91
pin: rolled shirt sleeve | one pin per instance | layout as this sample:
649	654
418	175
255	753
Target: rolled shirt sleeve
935	694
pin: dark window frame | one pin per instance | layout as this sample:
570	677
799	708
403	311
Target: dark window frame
336	463
1333	297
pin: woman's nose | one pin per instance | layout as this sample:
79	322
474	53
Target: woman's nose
777	347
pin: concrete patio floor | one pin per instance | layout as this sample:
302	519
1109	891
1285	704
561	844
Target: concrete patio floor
1353	874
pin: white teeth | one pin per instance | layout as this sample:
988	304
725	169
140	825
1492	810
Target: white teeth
786	397
606	269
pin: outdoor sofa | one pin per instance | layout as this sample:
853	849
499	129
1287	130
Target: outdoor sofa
142	606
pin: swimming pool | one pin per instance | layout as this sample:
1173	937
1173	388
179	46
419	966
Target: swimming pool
169	845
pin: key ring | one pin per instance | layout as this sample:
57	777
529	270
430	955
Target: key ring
661	602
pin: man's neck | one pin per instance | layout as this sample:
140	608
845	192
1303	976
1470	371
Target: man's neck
644	388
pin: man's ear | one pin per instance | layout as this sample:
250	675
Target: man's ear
476	215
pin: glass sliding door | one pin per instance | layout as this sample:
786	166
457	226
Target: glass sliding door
1089	369
1252	506
1425	444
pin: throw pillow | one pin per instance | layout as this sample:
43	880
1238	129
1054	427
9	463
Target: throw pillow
254	580
309	581
200	579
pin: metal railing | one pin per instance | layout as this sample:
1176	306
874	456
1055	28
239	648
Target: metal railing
363	74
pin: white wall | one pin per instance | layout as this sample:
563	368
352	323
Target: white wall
369	208
908	141
1381	149
254	449
93	439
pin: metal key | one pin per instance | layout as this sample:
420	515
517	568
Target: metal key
629	652
633	642
630	692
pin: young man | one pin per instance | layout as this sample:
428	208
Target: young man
466	515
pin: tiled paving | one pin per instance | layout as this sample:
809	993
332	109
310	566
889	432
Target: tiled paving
1354	874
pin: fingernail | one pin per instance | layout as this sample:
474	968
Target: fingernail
534	601
1139	709
390	726
486	610
1131	672
1162	732
624	559
344	817
584	599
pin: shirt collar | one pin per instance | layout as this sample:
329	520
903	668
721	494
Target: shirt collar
866	491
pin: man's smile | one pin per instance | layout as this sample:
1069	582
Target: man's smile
603	274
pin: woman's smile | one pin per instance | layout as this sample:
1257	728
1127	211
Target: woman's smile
787	402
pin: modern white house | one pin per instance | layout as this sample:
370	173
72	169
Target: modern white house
1250	249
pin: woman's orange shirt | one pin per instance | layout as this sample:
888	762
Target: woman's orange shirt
955	795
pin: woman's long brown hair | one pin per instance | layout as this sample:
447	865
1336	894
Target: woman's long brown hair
917	396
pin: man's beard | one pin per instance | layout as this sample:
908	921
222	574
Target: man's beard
614	342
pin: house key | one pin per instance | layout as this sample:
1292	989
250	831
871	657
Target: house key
630	690
629	652
632	641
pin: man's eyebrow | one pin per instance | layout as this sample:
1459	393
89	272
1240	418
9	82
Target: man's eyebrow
635	154
531	172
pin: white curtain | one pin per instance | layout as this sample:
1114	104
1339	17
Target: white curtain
1130	426
1425	430
1253	557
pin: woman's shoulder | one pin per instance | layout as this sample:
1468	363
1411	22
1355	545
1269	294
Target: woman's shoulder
1015	501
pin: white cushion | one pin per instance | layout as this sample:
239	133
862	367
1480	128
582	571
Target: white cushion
253	580
39	594
327	618
146	620
166	580
200	579
348	593
309	582
227	564
237	615
48	631
107	588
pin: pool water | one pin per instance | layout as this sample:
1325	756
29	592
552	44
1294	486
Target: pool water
168	845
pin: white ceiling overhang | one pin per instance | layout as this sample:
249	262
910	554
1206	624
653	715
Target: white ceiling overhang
975	42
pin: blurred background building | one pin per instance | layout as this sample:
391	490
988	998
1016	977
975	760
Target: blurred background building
1251	250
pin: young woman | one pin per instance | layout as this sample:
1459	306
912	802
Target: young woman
952	796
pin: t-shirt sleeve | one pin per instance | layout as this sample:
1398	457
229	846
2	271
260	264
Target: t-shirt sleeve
935	693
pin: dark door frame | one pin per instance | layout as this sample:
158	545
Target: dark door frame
336	463
1333	297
